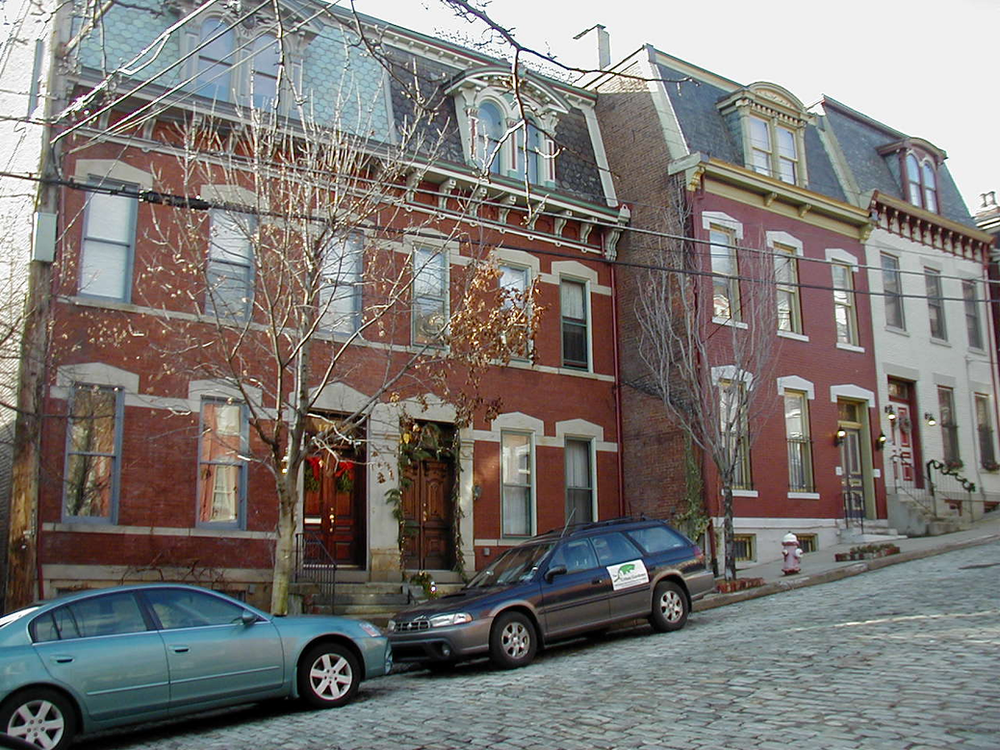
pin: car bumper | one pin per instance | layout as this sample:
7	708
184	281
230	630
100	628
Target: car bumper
700	584
445	644
377	653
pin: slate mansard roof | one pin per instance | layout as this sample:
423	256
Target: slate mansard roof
707	130
343	83
860	138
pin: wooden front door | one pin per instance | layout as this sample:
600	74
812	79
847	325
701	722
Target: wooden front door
334	495
428	516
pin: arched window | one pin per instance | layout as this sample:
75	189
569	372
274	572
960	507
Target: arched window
930	188
489	134
913	179
921	181
215	60
264	76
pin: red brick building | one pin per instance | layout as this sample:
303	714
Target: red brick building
743	171
148	466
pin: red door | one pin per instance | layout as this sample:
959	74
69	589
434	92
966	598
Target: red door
427	512
333	500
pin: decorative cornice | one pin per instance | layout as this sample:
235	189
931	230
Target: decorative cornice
903	218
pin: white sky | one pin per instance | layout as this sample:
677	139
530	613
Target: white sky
925	67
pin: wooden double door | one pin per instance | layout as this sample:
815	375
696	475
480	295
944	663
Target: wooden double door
428	516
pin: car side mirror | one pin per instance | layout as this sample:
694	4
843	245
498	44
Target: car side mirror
555	570
248	617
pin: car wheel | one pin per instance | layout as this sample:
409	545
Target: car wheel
41	717
329	676
512	641
670	607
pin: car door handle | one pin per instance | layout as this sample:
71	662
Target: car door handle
62	659
597	581
180	649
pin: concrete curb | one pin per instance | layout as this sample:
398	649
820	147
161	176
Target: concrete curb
835	574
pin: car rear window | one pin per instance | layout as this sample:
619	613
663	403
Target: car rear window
615	548
658	539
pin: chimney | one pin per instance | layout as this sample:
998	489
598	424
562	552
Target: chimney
603	44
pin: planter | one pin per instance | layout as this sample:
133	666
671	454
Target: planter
869	552
740	584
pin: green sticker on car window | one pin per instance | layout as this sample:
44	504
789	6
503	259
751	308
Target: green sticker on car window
628	574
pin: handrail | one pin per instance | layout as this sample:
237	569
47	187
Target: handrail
315	564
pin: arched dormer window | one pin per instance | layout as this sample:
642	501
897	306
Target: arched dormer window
498	138
918	162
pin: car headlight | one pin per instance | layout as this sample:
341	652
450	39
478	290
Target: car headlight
369	628
457	618
391	626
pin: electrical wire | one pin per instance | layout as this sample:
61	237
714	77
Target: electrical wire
179	201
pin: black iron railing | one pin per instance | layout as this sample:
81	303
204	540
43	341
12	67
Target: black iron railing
950	487
854	508
314	564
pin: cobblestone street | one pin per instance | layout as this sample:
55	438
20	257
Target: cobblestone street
903	657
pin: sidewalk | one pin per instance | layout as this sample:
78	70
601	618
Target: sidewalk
821	567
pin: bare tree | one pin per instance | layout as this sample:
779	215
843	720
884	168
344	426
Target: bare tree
302	225
708	316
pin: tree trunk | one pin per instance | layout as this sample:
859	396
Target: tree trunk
284	550
729	545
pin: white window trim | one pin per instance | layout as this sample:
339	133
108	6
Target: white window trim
796	383
532	487
708	218
853	393
836	255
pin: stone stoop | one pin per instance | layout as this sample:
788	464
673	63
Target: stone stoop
875	532
375	601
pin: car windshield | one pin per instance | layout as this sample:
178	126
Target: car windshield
513	566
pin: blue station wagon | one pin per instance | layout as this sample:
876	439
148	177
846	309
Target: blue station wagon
559	585
101	658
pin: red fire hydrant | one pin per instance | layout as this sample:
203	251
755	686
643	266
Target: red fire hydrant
792	554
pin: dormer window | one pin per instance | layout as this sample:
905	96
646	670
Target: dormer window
918	162
500	139
215	60
771	123
921	179
240	63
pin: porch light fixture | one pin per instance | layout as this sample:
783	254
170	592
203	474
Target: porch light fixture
839	435
891	413
880	441
930	419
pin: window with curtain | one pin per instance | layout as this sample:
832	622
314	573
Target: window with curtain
517	479
760	145
340	283
514	284
221	470
984	429
949	426
800	473
788	155
108	243
573	312
430	294
230	264
92	453
725	285
845	314
935	304
215	60
732	414
892	286
579	482
786	274
973	324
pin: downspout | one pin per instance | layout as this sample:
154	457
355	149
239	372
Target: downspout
618	389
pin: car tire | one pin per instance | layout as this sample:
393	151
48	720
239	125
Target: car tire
670	607
39	716
329	676
513	641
